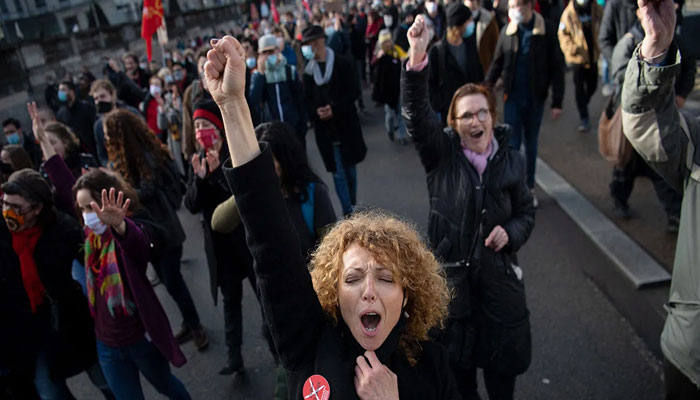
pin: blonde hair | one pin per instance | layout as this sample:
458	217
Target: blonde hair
396	245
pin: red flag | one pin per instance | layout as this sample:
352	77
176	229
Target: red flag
306	6
152	19
275	14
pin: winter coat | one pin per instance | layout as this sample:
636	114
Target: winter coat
547	63
387	76
134	250
127	90
80	117
669	140
486	38
464	209
446	76
341	93
284	100
572	38
307	341
223	250
618	18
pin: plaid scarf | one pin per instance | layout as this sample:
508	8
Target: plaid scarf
102	271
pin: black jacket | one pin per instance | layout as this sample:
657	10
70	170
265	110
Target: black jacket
547	61
618	18
341	93
446	76
464	209
80	117
387	77
307	342
223	250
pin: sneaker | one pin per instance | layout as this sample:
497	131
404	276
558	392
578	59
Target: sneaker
535	203
585	126
622	211
606	90
234	364
184	335
673	224
201	340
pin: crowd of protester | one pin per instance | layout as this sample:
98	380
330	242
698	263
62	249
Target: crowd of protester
91	195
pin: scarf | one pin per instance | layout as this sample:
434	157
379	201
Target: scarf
278	73
312	68
102	270
480	160
24	242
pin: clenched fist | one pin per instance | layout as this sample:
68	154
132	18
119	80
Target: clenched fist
224	71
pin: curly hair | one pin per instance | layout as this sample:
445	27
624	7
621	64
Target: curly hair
396	245
132	147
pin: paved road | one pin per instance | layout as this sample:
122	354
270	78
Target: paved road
583	347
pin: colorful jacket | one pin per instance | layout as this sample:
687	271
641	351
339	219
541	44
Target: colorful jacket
668	140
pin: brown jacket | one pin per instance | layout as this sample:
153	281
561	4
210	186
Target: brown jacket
572	39
486	38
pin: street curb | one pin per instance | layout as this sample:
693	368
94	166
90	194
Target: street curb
633	261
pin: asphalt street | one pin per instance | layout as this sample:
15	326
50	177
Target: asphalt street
583	347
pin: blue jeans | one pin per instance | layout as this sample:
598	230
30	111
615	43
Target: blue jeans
52	388
394	121
525	118
78	273
606	72
121	366
345	180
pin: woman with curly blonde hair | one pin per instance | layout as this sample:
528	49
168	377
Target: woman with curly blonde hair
357	325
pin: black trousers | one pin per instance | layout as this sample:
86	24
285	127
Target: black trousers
585	83
678	386
498	386
168	269
623	183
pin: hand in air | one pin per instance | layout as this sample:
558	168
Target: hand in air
418	40
113	210
658	19
224	71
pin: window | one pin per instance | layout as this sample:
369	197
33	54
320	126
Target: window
3	7
18	6
40	3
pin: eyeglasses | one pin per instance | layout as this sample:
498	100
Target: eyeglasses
16	207
482	115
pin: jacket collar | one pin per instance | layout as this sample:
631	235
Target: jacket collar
539	28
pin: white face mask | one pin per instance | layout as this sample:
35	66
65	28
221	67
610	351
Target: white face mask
280	43
93	222
515	15
582	3
388	21
431	7
155	90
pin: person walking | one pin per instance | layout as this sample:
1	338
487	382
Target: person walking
330	89
78	114
578	37
386	66
476	178
486	31
667	140
528	62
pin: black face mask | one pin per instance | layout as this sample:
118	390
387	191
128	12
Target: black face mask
103	107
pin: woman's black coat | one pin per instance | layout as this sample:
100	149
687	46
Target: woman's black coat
307	342
223	250
464	210
341	93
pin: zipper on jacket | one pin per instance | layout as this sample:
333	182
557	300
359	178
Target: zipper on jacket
279	102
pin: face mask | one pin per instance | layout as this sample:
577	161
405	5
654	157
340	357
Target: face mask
329	30
168	79
250	62
280	43
103	107
62	96
431	7
13	138
515	15
582	3
388	21
470	29
272	61
179	75
307	52
155	90
207	137
93	222
13	220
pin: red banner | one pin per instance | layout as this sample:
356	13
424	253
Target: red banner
152	19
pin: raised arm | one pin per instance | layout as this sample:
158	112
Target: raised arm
422	123
650	120
291	306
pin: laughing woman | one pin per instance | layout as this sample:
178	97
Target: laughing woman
357	326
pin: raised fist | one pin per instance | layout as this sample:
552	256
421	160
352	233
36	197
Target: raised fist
224	71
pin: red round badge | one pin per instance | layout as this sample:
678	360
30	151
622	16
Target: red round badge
316	388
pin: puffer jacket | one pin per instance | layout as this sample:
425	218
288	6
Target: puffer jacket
464	209
668	140
572	38
547	62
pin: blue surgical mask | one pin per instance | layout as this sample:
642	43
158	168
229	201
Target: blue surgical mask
13	138
93	222
471	26
250	62
168	79
271	60
62	96
307	51
329	30
179	75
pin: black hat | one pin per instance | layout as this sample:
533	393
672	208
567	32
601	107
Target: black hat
457	14
207	109
312	32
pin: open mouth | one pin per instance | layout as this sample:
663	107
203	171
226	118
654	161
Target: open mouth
477	134
370	322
